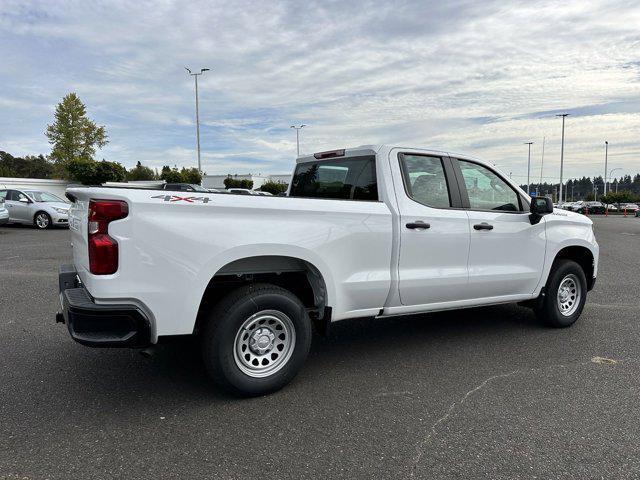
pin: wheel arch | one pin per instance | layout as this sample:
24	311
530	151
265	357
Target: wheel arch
583	256
295	274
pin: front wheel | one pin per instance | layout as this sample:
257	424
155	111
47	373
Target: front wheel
256	339
42	220
566	293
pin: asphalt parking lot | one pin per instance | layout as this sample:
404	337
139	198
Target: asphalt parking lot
481	393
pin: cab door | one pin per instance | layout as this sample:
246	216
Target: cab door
507	252
18	205
434	231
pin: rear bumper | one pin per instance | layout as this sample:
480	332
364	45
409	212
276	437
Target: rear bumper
99	325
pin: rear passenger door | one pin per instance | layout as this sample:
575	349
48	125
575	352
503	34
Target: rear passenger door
434	231
507	252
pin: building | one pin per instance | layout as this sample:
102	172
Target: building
57	187
217	181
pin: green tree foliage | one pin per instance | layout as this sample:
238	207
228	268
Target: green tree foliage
274	188
140	172
231	182
73	135
171	175
90	172
28	167
624	196
191	175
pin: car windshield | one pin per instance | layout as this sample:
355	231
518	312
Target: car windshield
44	197
198	188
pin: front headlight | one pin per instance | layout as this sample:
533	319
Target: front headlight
61	210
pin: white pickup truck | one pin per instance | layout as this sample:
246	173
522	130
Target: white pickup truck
373	231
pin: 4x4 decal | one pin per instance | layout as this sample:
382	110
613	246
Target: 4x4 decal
176	198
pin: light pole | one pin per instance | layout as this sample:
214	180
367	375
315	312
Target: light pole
529	167
542	163
611	176
606	155
563	115
195	76
298	137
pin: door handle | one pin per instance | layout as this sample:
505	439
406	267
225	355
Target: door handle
483	226
418	225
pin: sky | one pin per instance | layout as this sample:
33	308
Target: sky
475	77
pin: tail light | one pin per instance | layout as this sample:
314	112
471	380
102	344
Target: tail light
103	250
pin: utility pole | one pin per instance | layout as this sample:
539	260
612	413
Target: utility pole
606	157
195	76
298	137
529	168
563	115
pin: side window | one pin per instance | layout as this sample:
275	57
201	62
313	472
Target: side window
487	191
3	194
425	180
12	195
344	179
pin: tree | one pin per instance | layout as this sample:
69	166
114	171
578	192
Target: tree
140	172
275	188
231	182
90	172
191	175
171	175
73	135
28	167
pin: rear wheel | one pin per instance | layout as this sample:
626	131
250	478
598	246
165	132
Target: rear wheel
42	220
566	293
256	339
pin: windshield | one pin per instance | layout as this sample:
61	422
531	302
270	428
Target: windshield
44	197
198	188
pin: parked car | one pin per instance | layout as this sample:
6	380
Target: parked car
35	207
591	208
264	194
241	191
184	187
629	207
374	231
4	213
611	207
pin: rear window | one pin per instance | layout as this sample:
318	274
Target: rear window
352	178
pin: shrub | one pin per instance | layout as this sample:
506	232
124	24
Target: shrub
274	188
231	182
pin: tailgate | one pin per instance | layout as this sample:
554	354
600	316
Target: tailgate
78	228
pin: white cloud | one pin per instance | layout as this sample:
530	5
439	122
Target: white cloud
465	76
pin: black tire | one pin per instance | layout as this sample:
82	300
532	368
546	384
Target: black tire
42	225
549	310
222	327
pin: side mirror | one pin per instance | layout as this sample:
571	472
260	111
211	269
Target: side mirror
539	206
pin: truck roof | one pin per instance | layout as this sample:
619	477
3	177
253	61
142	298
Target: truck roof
374	149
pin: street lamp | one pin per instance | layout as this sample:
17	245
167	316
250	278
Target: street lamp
529	167
611	176
195	76
298	137
563	115
542	163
